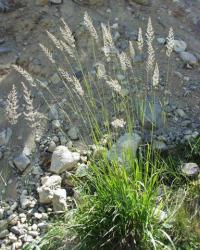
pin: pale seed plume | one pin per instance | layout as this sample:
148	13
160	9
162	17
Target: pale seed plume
48	53
131	50
68	49
65	75
140	41
25	74
150	32
150	59
31	115
90	27
114	84
170	42
156	76
124	61
12	106
101	71
78	86
118	123
109	45
67	34
55	41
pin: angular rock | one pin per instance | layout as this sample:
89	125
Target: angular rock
179	46
89	2
5	136
82	171
27	201
46	191
127	142
189	58
141	2
22	162
63	159
4	233
56	1
73	133
59	200
159	145
190	169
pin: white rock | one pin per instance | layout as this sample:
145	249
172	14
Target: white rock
22	162
52	146
27	201
127	142
179	45
190	169
56	1
56	124
82	170
63	159
73	133
187	57
51	181
46	191
59	200
161	40
5	136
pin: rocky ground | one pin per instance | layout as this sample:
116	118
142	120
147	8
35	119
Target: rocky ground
36	185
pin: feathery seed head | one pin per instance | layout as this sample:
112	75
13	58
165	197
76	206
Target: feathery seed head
150	32
156	76
12	107
114	84
78	86
55	40
65	75
90	27
170	42
68	49
101	71
118	123
124	61
140	40
25	74
109	46
48	53
150	59
67	34
131	50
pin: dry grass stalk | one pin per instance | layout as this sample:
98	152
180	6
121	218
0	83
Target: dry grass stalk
124	61
78	86
131	50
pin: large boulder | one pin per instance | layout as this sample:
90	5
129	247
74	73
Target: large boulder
63	159
127	142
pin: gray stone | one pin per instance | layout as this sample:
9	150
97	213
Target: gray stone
73	133
56	1
59	200
52	146
89	2
63	159
46	191
159	145
187	57
141	2
82	170
5	136
1	213
56	124
22	162
161	40
4	233
53	113
127	142
17	230
149	113
27	201
179	46
3	225
190	169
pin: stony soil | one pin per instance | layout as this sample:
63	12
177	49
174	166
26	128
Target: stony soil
23	27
